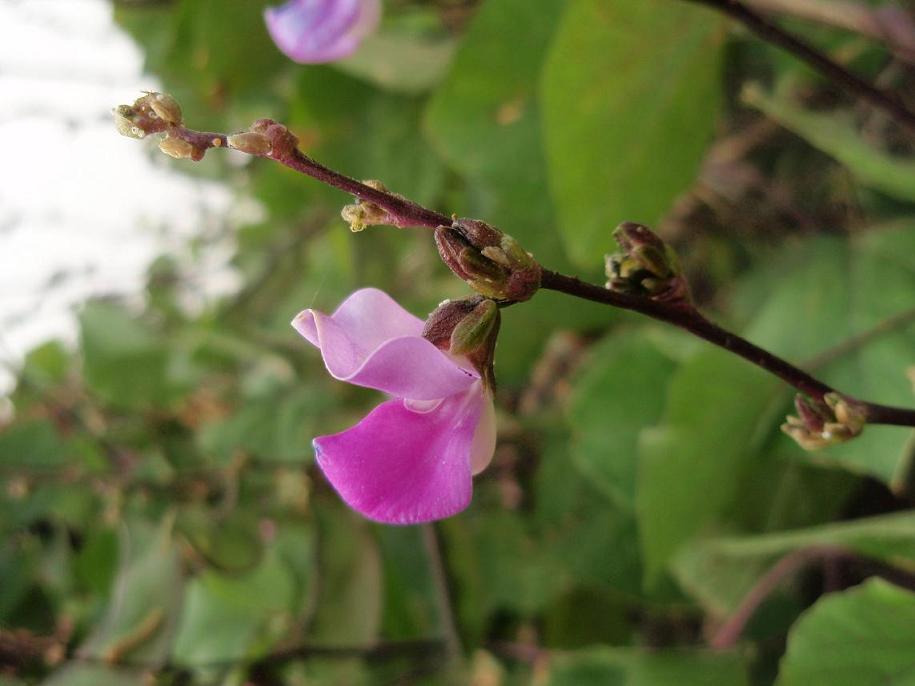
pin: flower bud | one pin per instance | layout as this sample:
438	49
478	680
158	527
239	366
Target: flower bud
165	107
647	266
250	142
467	328
176	147
824	422
491	262
283	142
363	213
151	113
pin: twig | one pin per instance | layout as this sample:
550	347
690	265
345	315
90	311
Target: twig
820	62
404	212
889	24
692	321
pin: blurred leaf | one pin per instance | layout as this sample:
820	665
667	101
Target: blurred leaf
142	610
485	117
618	392
636	668
399	61
409	593
124	362
349	565
47	364
719	571
95	675
691	465
229	543
834	133
630	98
32	443
96	564
860	637
225	617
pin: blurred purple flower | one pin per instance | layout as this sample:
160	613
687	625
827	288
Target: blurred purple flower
410	459
314	31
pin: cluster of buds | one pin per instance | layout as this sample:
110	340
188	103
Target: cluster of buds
821	423
647	266
363	213
467	328
157	113
491	262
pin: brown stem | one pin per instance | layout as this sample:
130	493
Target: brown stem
691	320
820	62
407	213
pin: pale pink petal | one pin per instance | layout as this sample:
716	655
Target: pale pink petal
400	466
484	438
372	341
315	31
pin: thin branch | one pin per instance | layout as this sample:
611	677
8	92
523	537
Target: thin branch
819	61
889	24
404	212
691	320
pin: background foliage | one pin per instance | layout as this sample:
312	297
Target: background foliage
161	518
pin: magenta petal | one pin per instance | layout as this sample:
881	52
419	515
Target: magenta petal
371	341
314	31
398	466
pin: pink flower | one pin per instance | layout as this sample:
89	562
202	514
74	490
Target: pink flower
410	459
315	31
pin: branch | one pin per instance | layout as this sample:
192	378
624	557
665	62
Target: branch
691	320
817	60
271	140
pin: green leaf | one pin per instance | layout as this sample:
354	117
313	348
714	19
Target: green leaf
124	362
349	568
630	667
861	637
34	444
485	119
630	97
142	610
95	675
399	61
834	133
225	616
618	392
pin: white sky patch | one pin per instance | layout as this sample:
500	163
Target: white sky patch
83	211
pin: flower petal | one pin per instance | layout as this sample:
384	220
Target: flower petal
372	341
399	466
314	31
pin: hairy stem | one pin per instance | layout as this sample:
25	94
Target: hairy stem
819	61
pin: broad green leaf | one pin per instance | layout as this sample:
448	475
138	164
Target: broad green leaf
124	362
142	610
630	98
349	568
834	133
95	675
485	119
618	392
399	61
630	667
226	617
860	637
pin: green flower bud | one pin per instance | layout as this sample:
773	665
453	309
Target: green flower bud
467	328
646	266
